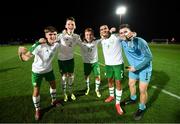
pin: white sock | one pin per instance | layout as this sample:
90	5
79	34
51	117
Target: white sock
53	93
70	83
97	82
118	96
36	101
63	80
87	82
111	91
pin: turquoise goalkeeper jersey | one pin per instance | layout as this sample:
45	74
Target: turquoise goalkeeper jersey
137	53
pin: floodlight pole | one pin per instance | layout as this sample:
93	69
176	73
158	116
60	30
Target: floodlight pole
120	18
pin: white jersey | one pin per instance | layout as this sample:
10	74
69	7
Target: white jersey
44	54
112	50
67	43
89	51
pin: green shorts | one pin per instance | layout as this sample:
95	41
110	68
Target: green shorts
37	78
88	67
115	71
66	66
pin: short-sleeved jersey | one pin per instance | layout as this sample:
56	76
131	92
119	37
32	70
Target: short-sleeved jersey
112	50
43	56
67	43
137	53
89	51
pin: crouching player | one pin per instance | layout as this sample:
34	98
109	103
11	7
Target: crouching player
42	66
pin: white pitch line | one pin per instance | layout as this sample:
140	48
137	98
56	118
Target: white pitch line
167	92
155	87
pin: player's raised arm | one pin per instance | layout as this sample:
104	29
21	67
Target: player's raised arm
24	54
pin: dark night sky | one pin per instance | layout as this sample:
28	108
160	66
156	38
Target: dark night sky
149	18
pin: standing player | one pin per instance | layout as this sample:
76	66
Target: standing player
139	58
68	40
114	64
42	66
90	57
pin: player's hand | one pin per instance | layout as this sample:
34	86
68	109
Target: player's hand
112	30
42	40
134	34
21	50
131	68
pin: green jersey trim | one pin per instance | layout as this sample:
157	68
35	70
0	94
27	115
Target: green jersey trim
34	46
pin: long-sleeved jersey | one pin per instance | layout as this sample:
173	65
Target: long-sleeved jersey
137	53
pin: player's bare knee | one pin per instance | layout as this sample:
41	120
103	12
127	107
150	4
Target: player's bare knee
131	83
142	90
70	74
98	78
143	87
36	92
53	84
110	81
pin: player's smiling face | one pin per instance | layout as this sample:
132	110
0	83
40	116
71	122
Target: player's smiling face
70	26
89	36
104	31
51	37
123	33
